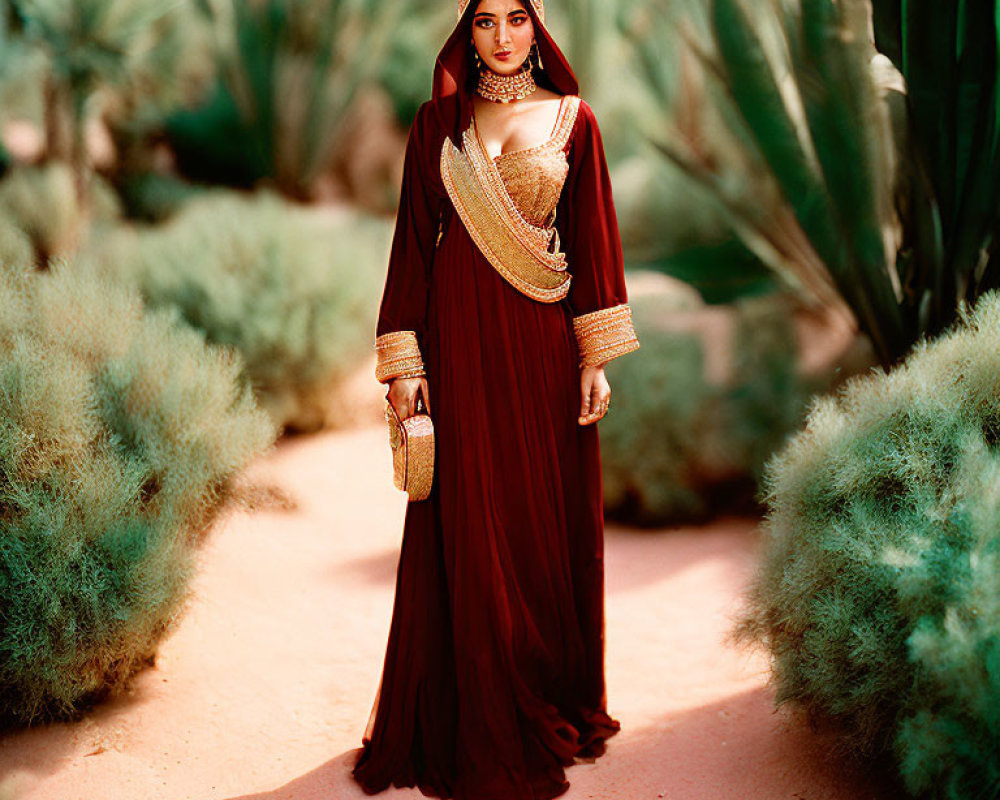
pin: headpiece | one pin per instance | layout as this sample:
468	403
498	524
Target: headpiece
538	4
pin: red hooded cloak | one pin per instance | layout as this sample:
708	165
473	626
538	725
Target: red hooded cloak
493	679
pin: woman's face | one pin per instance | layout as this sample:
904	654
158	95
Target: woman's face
502	32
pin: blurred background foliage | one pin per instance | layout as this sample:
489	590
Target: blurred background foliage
128	50
193	133
278	283
862	178
40	205
687	441
236	164
287	73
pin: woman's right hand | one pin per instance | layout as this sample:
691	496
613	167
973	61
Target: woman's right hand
403	395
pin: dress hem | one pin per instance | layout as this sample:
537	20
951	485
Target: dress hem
590	746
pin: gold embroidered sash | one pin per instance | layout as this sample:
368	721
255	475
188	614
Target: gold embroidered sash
526	255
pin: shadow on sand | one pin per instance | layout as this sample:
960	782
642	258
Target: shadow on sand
739	748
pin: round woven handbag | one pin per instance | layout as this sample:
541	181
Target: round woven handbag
412	443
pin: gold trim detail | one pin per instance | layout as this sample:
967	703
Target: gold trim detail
526	255
398	356
412	443
499	88
605	334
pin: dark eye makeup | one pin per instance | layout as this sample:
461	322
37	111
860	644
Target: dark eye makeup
515	17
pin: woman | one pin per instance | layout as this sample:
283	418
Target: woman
505	296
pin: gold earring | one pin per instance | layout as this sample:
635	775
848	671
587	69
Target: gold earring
538	54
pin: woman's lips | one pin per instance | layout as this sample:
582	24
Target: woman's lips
502	56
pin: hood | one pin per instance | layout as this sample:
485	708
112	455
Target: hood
456	76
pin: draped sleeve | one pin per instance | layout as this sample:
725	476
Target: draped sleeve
401	322
602	318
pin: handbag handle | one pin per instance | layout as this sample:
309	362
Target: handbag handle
420	405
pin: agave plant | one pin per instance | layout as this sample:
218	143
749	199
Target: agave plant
892	219
288	72
947	54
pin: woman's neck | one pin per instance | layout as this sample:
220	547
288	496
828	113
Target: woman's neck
499	88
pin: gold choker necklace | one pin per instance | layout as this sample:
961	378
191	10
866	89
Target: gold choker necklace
505	88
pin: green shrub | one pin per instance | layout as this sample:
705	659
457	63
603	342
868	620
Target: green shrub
878	595
295	290
15	245
42	204
120	434
154	197
651	436
679	446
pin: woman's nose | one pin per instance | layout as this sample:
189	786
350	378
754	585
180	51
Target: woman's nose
502	33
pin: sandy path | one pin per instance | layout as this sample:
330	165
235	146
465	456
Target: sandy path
264	689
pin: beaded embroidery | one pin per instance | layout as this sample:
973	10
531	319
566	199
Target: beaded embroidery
605	334
525	252
398	356
534	179
499	88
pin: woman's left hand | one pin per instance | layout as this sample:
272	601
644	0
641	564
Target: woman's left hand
595	395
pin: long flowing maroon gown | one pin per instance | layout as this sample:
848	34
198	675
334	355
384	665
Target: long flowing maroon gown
493	678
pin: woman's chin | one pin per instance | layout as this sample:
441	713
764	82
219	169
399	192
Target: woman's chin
504	67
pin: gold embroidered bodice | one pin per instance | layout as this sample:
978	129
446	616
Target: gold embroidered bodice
534	179
534	176
507	204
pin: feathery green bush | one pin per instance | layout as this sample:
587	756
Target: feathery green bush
295	290
15	245
120	434
878	596
678	446
40	202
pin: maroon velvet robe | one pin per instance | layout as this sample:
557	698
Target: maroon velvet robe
494	672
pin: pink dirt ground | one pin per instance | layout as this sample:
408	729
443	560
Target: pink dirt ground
264	689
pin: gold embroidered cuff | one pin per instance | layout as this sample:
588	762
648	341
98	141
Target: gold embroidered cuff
398	356
605	334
